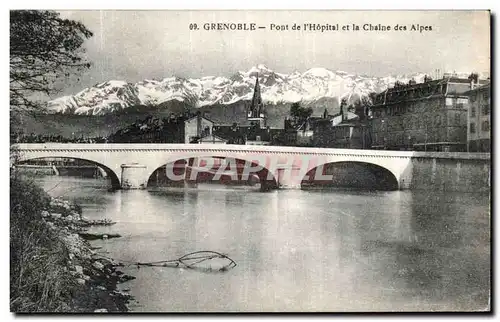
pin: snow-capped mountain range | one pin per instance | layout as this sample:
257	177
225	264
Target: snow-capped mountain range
308	87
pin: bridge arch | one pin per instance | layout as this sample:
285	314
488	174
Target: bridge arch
354	174
111	174
266	177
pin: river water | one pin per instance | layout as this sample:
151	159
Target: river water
296	250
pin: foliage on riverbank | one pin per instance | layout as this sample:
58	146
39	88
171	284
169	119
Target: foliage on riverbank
52	268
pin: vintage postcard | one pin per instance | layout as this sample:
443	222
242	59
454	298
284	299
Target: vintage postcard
250	161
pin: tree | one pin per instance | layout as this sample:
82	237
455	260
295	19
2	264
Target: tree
299	114
473	77
43	48
364	107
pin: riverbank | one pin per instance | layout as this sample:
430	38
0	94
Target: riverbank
53	268
398	250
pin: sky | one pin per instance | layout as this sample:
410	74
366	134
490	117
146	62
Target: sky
137	45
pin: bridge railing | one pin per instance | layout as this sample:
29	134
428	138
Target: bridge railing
245	149
205	147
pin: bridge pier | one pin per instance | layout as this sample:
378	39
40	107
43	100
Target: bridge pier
190	184
133	176
289	178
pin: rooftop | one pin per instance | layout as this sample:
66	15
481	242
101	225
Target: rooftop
432	88
201	116
444	80
479	88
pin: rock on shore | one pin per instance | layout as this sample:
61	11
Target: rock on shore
95	278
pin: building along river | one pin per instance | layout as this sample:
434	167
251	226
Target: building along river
296	250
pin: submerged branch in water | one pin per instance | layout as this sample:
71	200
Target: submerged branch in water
207	261
88	236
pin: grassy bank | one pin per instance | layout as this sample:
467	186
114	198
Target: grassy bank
52	268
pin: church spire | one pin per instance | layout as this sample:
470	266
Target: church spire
256	110
256	106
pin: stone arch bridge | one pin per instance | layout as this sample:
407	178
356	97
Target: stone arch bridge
129	166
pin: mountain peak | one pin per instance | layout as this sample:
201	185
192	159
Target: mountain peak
263	67
112	83
320	72
315	86
260	69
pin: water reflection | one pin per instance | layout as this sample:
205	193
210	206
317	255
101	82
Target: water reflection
299	250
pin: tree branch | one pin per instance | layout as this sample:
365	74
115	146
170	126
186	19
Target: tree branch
43	49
